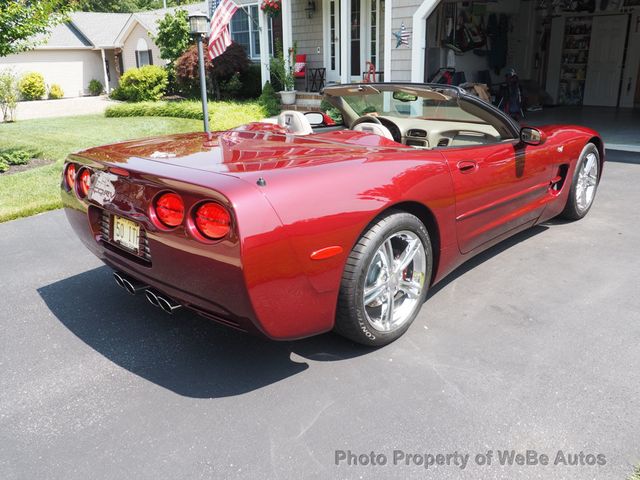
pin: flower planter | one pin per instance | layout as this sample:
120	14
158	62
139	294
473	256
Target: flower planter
288	97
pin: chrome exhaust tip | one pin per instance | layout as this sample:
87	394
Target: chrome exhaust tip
152	298
167	304
119	280
129	284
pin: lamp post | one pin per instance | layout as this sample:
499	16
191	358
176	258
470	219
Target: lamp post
199	27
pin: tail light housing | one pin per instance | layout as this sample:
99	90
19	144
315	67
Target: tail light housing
212	220
169	209
70	175
84	182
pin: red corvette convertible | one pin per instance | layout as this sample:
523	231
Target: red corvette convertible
294	228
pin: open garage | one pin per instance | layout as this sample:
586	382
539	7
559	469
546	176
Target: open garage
574	61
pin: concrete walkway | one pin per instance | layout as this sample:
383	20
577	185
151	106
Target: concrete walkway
65	107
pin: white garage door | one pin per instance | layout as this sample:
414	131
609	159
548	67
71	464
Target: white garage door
71	69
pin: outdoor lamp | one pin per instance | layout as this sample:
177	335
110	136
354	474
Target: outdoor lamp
198	23
311	8
199	28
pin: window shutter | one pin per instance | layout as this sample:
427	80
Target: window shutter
150	57
137	59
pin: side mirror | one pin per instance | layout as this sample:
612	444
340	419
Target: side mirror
316	119
532	136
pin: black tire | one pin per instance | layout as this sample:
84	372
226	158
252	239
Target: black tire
572	211
351	319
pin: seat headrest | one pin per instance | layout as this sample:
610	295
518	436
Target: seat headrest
294	122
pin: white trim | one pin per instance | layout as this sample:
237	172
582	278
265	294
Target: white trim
104	71
388	10
287	33
418	46
264	46
345	39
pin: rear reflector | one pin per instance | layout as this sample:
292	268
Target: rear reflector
212	220
70	176
170	209
84	182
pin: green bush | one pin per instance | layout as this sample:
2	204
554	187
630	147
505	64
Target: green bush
223	115
143	84
15	156
229	89
269	100
9	94
32	86
251	82
95	87
55	92
156	109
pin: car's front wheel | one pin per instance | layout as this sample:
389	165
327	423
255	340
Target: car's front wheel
385	280
584	184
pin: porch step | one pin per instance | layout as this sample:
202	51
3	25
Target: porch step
305	102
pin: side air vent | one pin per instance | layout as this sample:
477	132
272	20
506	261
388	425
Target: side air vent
443	142
417	133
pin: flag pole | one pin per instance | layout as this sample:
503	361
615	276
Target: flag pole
203	86
198	27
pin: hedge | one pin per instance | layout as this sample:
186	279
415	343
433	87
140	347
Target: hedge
223	115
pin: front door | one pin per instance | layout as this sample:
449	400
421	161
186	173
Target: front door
364	19
331	35
498	188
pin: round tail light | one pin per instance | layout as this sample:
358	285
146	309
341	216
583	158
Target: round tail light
70	176
212	220
170	209
84	182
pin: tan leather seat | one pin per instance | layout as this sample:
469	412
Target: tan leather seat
368	127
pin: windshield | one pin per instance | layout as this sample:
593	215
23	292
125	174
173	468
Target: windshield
409	103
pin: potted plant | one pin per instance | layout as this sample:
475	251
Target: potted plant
282	70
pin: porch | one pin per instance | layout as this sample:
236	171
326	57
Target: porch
342	40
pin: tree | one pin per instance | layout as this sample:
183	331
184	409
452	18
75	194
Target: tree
233	61
173	35
22	20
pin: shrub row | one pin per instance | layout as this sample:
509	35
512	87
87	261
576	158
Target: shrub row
223	115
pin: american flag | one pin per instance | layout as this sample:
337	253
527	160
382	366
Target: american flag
219	36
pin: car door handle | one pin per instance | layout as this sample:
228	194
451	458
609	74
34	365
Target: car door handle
467	166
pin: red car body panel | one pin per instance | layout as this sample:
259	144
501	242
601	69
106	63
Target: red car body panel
293	196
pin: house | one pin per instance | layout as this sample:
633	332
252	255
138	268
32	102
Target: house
93	45
580	53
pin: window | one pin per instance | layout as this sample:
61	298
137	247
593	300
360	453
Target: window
245	30
143	53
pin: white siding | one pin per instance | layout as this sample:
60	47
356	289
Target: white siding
307	32
71	69
130	44
402	12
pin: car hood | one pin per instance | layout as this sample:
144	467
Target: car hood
239	151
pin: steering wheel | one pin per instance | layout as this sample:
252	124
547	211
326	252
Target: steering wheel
366	119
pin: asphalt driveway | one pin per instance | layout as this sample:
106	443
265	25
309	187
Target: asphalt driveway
534	345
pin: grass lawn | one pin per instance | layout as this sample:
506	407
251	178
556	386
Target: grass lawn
36	190
33	191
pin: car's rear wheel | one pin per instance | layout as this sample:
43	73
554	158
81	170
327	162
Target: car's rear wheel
385	280
584	184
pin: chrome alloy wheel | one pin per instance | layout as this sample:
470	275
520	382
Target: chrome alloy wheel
587	182
395	281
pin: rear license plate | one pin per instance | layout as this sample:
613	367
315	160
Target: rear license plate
126	233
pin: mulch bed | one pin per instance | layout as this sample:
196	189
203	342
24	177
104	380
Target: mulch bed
33	163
